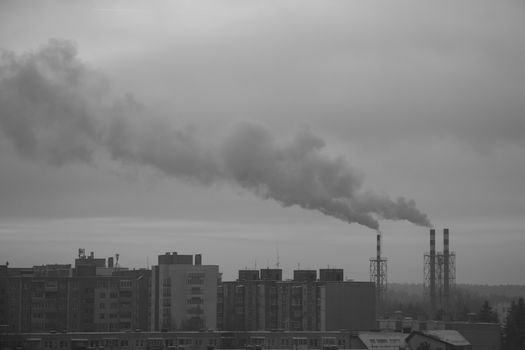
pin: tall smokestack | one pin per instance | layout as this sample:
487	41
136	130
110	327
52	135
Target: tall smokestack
446	271
378	267
379	275
432	273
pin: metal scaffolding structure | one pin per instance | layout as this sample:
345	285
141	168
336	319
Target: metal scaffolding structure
378	275
439	278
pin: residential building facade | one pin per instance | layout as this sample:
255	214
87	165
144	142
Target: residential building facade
254	303
184	293
62	298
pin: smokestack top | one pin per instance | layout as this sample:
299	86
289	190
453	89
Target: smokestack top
446	241
432	242
379	245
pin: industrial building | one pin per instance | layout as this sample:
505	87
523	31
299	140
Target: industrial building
263	301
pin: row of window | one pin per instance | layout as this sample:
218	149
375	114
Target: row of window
102	295
124	304
182	341
166	291
102	316
61	344
314	342
114	284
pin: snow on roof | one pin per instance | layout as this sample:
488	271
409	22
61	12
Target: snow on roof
382	340
450	336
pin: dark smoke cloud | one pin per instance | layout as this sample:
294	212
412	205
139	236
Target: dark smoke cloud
53	107
47	103
299	174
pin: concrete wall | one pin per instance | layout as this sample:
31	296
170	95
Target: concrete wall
348	305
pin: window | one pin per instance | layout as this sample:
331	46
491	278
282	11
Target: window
194	301
126	294
51	284
125	314
102	316
126	284
111	342
102	306
102	283
195	278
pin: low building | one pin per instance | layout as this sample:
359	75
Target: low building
482	336
437	340
201	340
379	340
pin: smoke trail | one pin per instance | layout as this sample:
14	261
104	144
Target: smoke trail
53	107
299	174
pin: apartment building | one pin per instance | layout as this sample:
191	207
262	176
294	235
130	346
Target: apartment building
259	302
62	298
184	293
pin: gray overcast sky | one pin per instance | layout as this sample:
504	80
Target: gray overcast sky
207	126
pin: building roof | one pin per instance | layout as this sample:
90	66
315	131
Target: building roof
448	336
382	340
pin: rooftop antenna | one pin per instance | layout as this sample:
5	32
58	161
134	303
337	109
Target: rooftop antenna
147	262
255	264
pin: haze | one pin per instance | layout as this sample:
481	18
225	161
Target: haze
236	129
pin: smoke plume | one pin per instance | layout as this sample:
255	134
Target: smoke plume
55	108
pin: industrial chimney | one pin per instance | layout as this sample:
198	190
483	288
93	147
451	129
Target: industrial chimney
379	297
446	271
378	275
440	276
432	272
